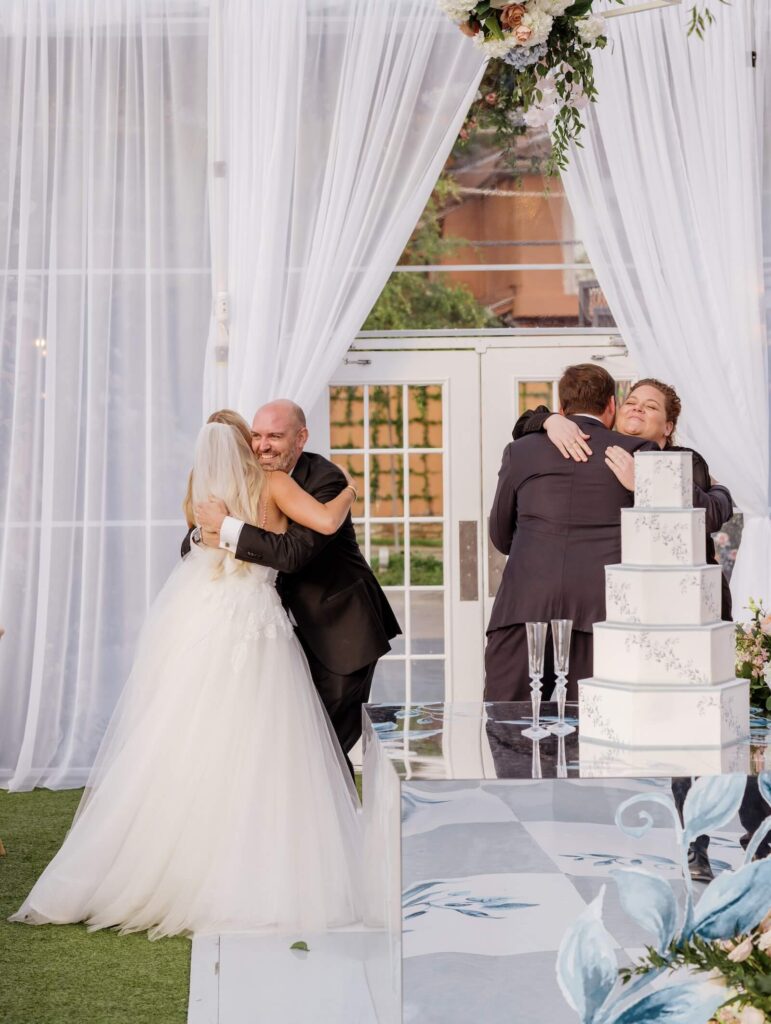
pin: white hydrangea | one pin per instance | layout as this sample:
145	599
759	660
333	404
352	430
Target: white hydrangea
457	10
496	47
539	24
767	674
590	28
553	7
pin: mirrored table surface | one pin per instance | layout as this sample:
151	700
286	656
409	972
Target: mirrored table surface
485	741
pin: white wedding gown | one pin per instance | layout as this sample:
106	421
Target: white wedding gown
220	800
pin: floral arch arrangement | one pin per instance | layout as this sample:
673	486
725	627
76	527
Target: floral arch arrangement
540	70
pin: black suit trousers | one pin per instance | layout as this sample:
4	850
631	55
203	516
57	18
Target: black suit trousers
506	664
342	696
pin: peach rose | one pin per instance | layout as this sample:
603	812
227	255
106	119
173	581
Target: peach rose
491	99
741	951
512	15
523	33
765	625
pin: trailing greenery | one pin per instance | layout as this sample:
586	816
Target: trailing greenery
62	974
749	979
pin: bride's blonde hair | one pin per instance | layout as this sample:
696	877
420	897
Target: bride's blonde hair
239	425
225	468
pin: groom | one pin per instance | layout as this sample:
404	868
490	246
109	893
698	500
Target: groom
341	615
559	521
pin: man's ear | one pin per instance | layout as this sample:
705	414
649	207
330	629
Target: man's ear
302	436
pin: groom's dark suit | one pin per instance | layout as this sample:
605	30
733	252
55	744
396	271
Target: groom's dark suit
343	619
559	521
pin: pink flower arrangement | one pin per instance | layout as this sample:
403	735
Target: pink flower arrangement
753	654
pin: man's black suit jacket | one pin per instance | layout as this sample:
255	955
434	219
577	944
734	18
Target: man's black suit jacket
559	521
340	609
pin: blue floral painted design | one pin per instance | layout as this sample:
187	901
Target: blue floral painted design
601	860
425	896
731	905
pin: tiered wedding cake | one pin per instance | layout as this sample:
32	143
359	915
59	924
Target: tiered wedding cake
663	661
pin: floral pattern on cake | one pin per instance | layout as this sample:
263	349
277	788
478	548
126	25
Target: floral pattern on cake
731	721
617	595
703	704
590	714
672	537
664	654
672	471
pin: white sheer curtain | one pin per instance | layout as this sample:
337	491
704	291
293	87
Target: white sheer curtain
667	194
104	305
336	121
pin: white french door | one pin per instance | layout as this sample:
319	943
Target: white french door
421	423
406	425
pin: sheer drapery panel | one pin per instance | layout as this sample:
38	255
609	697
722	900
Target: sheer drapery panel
336	121
104	302
667	193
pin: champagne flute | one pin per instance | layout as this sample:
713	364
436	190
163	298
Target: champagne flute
561	630
536	648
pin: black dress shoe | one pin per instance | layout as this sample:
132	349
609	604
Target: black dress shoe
699	866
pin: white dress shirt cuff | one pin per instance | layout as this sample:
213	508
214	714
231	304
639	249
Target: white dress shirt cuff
230	531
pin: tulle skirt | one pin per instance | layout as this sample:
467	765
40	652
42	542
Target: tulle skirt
219	800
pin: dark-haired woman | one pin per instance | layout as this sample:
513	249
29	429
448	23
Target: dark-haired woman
651	410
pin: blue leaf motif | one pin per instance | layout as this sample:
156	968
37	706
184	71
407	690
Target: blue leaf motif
734	903
637	831
764	784
692	1003
650	901
586	962
711	803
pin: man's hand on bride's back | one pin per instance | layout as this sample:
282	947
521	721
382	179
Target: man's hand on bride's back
568	437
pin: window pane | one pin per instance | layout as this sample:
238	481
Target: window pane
387	553
427	683
622	390
427	623
346	417
385	416
396	600
426	554
426	485
388	686
425	416
533	393
386	485
355	466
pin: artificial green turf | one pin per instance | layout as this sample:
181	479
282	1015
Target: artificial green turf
62	974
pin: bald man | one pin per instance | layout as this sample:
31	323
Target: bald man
341	615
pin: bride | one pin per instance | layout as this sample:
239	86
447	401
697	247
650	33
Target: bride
219	799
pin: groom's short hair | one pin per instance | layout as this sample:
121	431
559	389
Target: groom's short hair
585	387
